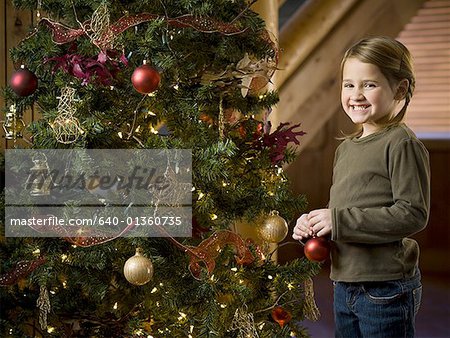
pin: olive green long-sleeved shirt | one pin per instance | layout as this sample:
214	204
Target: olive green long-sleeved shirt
380	195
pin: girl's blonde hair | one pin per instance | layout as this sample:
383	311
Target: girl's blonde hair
394	61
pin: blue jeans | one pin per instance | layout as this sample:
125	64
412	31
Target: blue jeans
377	309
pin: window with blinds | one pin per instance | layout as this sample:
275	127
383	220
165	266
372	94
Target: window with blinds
428	38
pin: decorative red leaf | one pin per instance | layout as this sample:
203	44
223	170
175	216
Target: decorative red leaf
278	141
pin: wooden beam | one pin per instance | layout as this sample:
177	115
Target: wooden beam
311	23
311	97
268	10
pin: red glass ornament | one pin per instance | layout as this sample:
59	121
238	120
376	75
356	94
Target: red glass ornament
23	82
317	249
281	316
145	79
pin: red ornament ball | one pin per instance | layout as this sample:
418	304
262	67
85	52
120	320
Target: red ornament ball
145	79
23	82
281	316
317	249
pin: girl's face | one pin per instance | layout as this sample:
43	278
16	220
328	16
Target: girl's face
366	95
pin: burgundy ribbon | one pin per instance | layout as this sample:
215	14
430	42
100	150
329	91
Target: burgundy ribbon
63	34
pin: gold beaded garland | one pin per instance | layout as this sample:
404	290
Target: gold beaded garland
138	270
274	228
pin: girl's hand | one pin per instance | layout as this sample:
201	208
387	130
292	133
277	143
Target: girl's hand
302	228
320	220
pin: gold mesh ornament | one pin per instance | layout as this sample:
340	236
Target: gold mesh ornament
99	27
66	126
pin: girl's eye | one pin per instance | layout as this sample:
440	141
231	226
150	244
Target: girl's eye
369	85
347	85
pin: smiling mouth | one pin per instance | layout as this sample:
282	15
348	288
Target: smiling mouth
360	107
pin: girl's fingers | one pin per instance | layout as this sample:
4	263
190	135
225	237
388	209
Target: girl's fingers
300	232
313	220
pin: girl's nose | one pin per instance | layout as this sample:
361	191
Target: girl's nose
357	94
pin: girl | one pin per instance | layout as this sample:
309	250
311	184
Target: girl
379	196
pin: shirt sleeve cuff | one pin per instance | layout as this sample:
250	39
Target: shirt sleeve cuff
334	229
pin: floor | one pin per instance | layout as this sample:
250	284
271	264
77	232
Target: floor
432	320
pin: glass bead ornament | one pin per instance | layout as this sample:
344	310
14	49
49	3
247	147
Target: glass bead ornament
274	228
145	79
138	270
23	82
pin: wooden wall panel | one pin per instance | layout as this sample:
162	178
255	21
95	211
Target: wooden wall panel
435	239
17	26
3	55
14	27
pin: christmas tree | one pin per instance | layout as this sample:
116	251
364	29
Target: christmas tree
164	76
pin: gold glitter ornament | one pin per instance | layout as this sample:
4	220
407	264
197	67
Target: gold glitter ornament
138	270
274	228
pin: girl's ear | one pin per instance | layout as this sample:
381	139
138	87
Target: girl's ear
402	89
